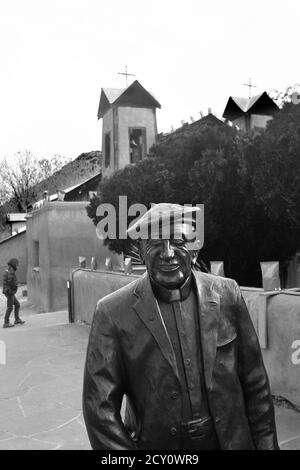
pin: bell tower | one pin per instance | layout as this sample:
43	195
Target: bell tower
129	127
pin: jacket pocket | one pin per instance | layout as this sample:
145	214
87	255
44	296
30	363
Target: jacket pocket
223	341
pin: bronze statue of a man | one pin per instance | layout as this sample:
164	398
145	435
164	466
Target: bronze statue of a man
180	345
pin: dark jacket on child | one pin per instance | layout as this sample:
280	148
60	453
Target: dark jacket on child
10	283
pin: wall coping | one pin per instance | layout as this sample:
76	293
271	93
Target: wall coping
59	205
252	289
102	271
12	237
293	291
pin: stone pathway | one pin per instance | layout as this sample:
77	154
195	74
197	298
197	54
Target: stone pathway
26	307
288	428
41	386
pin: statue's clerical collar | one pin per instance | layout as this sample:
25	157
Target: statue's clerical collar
172	295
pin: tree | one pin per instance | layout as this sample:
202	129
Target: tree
282	97
20	175
274	169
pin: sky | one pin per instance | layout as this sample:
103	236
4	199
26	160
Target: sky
56	55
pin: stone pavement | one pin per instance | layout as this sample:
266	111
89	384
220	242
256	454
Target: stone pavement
26	307
41	385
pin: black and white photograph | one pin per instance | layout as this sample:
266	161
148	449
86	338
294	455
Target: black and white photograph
149	228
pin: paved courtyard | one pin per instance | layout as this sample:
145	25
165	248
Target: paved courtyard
41	385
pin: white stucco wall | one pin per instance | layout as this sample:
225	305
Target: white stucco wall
64	233
256	120
16	226
259	120
134	117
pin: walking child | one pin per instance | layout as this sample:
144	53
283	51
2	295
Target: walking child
10	287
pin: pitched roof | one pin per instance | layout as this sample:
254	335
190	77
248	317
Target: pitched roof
134	95
54	197
258	104
208	120
112	94
246	103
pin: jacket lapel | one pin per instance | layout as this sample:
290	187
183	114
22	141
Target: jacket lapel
146	307
209	313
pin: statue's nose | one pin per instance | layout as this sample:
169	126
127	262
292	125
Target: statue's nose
167	250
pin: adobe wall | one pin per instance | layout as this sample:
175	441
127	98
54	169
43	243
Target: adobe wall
64	232
276	318
14	247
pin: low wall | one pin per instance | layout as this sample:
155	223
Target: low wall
90	286
275	315
276	318
57	234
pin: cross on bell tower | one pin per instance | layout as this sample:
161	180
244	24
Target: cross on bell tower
250	86
126	74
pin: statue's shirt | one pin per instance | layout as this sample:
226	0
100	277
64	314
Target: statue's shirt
181	318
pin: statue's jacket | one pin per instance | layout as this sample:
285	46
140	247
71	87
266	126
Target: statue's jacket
129	353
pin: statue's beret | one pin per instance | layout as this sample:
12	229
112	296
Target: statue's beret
164	221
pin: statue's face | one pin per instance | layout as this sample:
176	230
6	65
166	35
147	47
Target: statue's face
168	262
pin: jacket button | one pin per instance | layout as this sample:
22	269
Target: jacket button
174	395
173	431
151	318
217	419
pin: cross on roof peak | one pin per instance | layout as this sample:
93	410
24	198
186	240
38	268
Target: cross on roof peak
126	74
250	86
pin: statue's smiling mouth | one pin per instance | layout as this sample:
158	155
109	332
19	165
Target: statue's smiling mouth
168	267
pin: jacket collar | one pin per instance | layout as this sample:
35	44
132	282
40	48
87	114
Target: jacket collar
146	307
171	295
